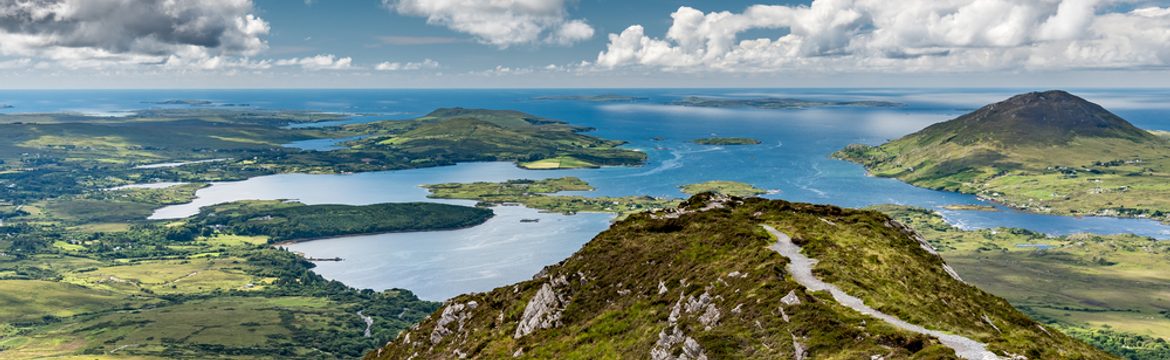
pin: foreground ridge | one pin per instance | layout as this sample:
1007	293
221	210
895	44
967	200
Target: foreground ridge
700	282
800	267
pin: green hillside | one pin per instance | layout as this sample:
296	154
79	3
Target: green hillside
1048	152
702	282
459	135
1108	290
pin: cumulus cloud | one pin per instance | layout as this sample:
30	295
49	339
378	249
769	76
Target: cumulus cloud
501	23
410	66
319	62
904	35
90	33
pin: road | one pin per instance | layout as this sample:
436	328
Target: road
800	267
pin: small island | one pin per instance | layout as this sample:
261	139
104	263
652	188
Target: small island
539	194
191	102
773	103
726	141
6	106
731	188
970	207
592	98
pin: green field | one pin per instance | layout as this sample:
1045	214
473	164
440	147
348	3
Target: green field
732	188
206	287
558	163
1091	284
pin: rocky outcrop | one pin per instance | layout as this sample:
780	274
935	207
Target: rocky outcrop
454	313
690	349
544	310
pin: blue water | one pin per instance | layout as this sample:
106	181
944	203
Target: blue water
794	159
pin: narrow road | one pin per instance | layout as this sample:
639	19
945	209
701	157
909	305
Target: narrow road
800	267
369	323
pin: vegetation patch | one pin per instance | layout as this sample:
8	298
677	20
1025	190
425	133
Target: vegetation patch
731	188
540	194
726	141
1107	290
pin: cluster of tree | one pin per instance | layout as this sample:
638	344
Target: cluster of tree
293	221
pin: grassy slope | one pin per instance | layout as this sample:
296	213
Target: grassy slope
1025	158
616	308
1109	290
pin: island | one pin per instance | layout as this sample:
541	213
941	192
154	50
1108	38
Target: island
447	136
726	141
289	221
970	207
775	103
190	102
49	155
541	194
730	188
6	106
1047	152
604	98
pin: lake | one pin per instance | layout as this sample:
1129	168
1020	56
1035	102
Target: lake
793	159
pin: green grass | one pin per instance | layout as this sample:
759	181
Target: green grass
1050	159
615	308
32	300
283	221
731	188
263	327
541	194
1093	283
558	163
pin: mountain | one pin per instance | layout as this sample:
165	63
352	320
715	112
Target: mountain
1043	151
726	277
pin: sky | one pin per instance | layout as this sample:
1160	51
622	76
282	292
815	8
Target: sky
582	43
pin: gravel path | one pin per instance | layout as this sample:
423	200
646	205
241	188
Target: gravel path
800	267
369	323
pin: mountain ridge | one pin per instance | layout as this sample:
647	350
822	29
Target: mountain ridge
701	282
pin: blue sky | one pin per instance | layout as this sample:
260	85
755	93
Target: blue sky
585	43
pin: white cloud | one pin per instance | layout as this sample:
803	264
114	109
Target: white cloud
319	62
501	23
410	66
99	33
904	35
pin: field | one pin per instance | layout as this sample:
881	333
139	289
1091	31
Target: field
199	288
558	163
1118	284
